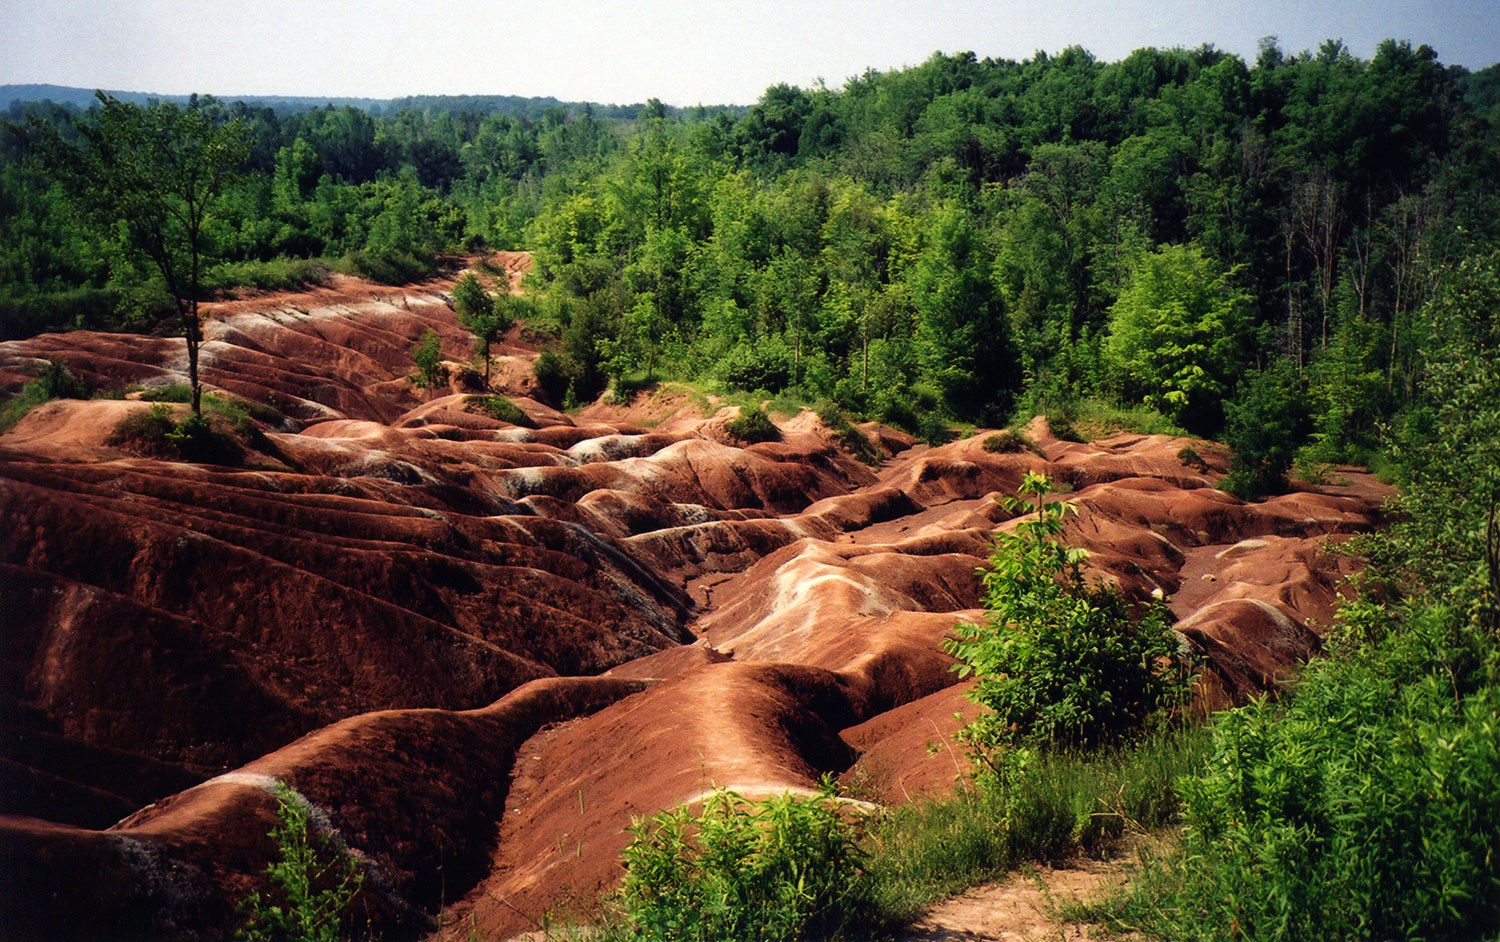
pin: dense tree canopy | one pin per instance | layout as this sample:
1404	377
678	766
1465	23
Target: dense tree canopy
961	240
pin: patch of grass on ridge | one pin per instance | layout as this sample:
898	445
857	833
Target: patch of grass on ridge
502	409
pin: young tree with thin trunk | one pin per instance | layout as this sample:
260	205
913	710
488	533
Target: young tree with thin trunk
155	173
483	314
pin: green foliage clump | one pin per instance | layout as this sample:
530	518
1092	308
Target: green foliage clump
1060	421
242	414
1090	419
277	274
485	315
1175	334
428	356
552	375
54	382
1367	809
501	408
851	437
1009	441
1190	458
68	309
933	430
158	432
786	868
172	392
1056	661
753	425
388	266
315	882
764	365
1265	425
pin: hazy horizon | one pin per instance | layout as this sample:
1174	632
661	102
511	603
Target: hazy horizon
682	53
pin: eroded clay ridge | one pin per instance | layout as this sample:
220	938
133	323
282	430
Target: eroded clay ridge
498	643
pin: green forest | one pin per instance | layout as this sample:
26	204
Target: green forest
963	241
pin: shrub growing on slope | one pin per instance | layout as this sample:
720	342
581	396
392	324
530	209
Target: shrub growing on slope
1057	661
753	425
1367	809
781	869
501	408
315	882
54	382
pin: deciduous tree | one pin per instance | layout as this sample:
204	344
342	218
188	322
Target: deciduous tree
156	173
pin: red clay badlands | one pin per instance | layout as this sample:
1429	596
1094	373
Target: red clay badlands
498	643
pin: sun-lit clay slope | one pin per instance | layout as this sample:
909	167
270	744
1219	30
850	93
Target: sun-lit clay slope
198	616
342	349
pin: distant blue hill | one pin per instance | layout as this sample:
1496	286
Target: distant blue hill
510	105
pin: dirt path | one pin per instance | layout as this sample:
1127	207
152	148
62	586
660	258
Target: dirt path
1023	908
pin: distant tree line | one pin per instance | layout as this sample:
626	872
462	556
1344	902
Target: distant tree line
961	240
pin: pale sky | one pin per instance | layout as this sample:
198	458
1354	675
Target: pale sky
682	52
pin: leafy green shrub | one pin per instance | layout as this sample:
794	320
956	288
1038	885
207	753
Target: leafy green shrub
428	356
1057	661
1090	419
315	882
1190	458
1009	442
552	375
54	382
851	437
242	413
933	430
625	388
157	432
1264	425
765	364
72	309
501	408
147	430
753	425
389	267
175	392
1314	472
277	274
1061	423
1367	809
781	869
487	316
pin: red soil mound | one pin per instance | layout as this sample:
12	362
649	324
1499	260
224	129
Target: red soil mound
388	561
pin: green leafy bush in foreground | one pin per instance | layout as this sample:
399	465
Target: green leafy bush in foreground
315	882
1058	662
1369	808
781	869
